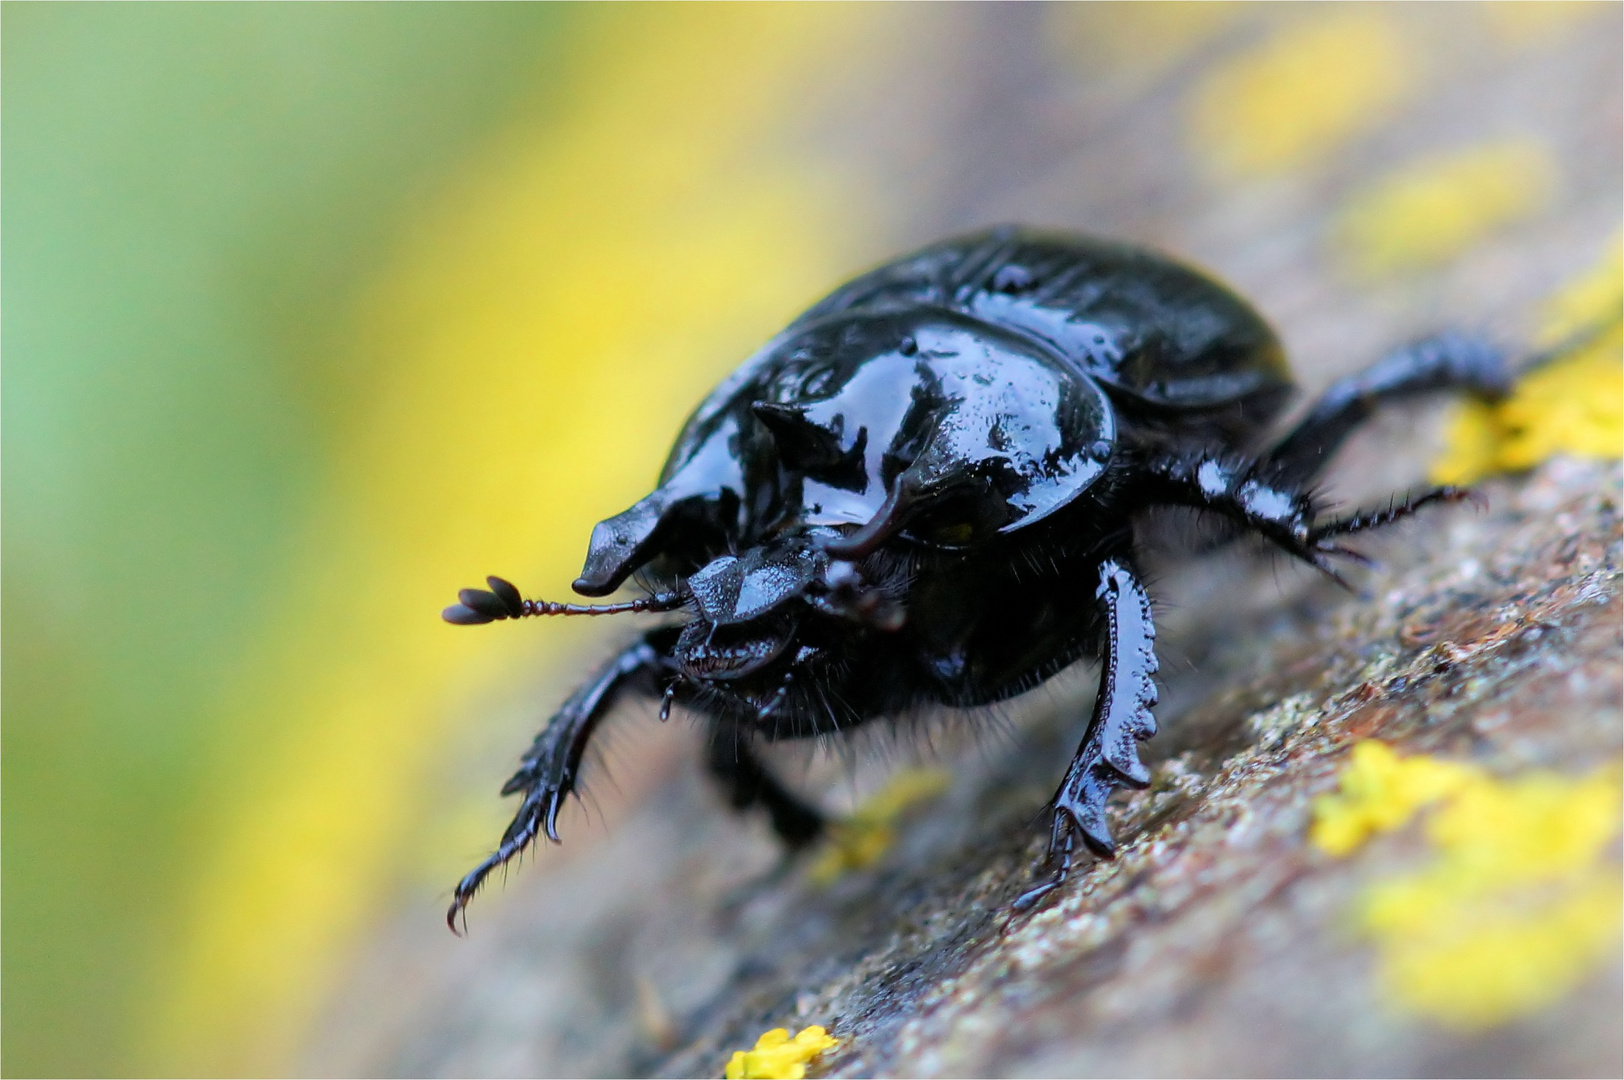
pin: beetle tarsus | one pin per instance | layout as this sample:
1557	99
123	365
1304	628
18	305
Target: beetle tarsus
1058	856
550	772
1396	510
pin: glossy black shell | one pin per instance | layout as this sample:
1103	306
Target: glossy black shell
1012	354
1136	321
926	491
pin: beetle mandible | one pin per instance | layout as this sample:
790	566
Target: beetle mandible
923	492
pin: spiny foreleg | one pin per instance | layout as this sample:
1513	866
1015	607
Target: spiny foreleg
1108	757
550	772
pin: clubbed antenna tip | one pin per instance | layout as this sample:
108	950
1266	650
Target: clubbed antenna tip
502	601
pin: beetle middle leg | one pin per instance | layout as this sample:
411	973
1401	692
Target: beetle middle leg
732	760
1108	757
1282	512
551	769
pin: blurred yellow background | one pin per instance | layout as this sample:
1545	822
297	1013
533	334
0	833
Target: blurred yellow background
314	313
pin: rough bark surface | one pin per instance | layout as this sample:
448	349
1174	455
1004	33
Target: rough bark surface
1218	941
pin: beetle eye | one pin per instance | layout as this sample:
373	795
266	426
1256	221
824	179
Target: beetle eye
952	535
960	518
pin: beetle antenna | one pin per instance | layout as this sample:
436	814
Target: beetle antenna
502	601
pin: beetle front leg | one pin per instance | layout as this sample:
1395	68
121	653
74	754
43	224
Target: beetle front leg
1108	757
550	770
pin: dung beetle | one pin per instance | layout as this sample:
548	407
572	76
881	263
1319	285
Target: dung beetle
924	491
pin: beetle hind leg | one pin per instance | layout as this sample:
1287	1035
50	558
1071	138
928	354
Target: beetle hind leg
1445	362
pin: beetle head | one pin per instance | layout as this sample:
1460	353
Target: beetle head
749	609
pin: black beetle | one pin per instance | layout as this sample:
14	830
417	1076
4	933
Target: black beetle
923	492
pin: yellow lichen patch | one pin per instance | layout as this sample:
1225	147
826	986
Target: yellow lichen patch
1433	209
778	1057
1379	792
869	832
1594	298
1518	900
1302	93
1496	959
595	273
1135	43
1574	405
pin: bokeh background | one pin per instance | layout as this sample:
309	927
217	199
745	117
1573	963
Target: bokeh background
314	313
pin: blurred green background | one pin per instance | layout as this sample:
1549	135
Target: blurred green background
276	278
193	196
313	313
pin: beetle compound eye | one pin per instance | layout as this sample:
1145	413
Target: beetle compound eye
960	517
957	534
